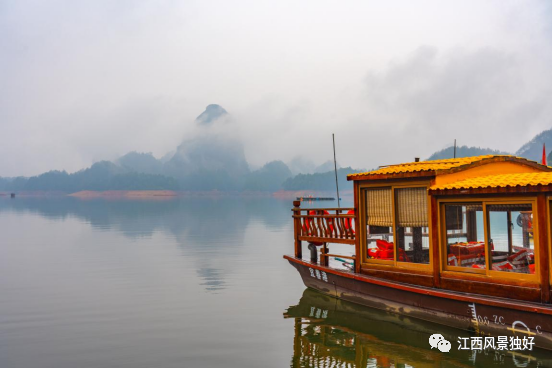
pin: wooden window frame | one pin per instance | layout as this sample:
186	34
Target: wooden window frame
487	273
548	202
393	264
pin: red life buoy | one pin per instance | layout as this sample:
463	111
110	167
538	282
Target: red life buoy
348	222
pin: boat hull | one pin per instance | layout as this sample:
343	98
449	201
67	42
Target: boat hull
456	310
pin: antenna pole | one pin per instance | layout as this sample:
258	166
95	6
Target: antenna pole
454	148
335	170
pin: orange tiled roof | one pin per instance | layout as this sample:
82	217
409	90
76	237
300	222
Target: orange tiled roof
432	165
499	180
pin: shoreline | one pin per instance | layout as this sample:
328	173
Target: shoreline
167	194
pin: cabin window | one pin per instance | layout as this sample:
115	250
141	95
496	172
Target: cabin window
379	207
380	235
397	225
489	237
412	225
464	224
511	238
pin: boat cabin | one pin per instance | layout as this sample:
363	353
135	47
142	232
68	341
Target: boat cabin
479	225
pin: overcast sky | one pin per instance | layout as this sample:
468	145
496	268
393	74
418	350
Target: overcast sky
82	81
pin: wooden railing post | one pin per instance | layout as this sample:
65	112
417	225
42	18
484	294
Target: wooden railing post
323	258
297	228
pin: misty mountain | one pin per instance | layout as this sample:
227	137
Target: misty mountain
140	163
301	165
214	158
326	167
533	149
463	152
268	178
212	113
165	158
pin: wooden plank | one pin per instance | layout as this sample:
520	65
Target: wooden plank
499	281
492	289
418	279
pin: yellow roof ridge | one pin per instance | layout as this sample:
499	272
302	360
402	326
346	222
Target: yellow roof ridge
499	180
434	165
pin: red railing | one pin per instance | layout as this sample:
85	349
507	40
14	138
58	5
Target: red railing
323	225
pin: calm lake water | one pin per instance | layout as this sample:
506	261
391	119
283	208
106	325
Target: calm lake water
187	282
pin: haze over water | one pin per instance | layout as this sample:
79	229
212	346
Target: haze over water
185	282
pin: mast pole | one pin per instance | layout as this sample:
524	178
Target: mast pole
454	148
335	170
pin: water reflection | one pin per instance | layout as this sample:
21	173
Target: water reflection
145	283
209	230
211	279
334	333
210	217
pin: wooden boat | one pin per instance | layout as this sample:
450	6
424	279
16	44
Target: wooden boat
462	242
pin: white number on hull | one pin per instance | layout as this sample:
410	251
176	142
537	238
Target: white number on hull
316	273
517	326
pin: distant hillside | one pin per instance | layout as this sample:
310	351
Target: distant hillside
268	178
141	163
213	159
320	181
533	149
300	164
100	176
463	152
327	166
